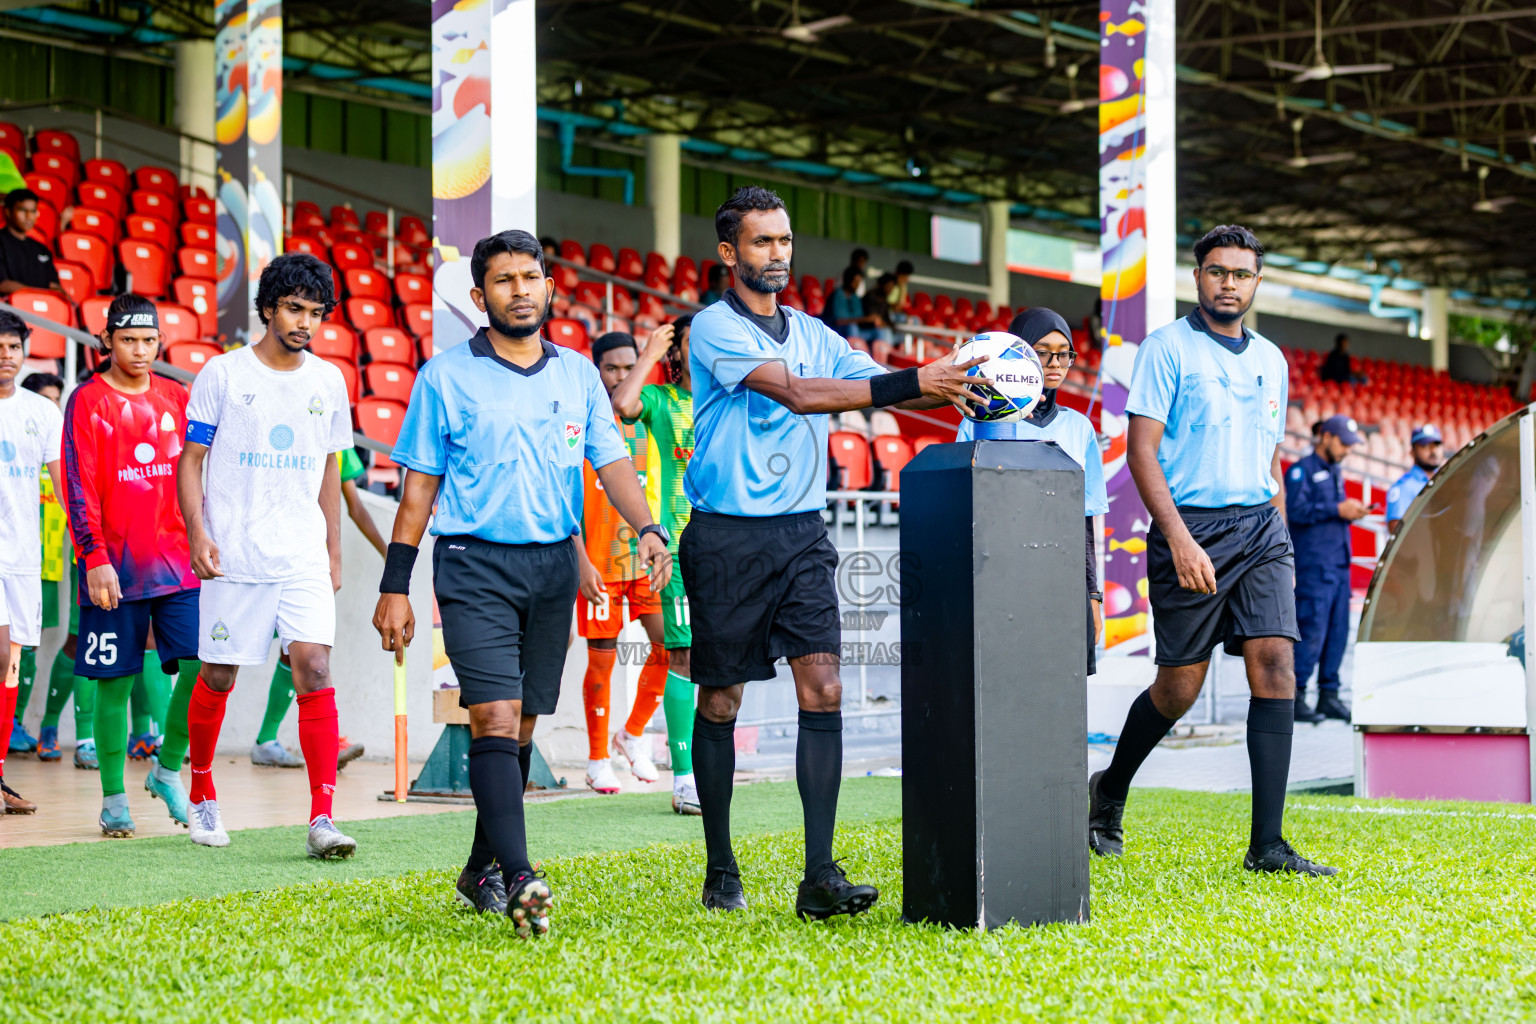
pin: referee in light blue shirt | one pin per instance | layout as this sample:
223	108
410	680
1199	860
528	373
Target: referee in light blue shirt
1428	451
1207	407
495	436
755	557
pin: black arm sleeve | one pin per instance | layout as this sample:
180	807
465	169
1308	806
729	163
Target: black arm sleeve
1092	555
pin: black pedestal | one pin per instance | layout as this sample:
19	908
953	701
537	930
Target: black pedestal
993	688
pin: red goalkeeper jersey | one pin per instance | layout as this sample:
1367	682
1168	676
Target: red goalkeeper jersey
120	453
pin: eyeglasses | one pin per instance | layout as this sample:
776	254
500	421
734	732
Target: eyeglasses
1219	274
1052	358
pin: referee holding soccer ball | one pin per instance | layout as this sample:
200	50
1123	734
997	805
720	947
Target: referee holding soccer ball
755	558
495	437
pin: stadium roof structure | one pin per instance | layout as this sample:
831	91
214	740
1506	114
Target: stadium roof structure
1394	137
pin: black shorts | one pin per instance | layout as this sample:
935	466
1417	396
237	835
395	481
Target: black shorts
506	612
111	643
760	588
1255	564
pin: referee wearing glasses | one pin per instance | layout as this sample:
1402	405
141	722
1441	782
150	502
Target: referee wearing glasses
1207	407
495	437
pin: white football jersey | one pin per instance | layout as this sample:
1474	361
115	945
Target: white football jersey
269	433
31	435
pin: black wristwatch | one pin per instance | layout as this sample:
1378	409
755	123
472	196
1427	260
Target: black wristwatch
658	530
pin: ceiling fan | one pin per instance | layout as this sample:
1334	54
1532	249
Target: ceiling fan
1299	160
810	31
1320	70
1484	204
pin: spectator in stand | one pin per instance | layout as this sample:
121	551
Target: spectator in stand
900	294
1427	453
719	281
1319	515
551	248
878	309
24	262
1338	367
845	311
860	258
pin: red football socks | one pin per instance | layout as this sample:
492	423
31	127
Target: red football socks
10	688
319	739
652	684
594	698
205	717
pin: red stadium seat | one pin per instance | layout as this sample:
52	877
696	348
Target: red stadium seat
349	375
13	141
630	266
389	345
200	210
413	288
376	222
412	227
600	257
191	356
366	284
302	243
198	263
155	179
591	293
109	172
926	440
93	313
417	317
305	206
333	339
308	222
380	419
57	166
686	269
150	229
892	452
566	279
74	279
51	141
366	314
389	380
156	204
350	256
45	344
178	323
196	236
572	252
851	453
192	192
344	217
46	228
427	349
96	222
570	333
200	295
49	189
91	253
101	197
149	269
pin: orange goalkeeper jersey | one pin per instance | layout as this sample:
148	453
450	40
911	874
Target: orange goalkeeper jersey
611	542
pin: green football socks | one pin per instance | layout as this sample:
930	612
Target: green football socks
112	730
173	745
27	671
677	707
279	700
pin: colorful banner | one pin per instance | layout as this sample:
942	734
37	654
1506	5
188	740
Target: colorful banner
483	172
1136	200
248	97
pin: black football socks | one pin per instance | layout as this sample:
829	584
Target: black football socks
714	771
818	776
1270	726
497	784
1144	729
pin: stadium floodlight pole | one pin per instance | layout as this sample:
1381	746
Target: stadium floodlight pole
400	729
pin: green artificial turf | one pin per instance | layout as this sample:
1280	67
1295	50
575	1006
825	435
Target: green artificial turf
49	879
1430	921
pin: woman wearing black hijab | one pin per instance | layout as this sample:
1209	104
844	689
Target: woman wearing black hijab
1051	338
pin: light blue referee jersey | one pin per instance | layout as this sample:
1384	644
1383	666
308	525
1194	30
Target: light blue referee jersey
1223	411
507	441
1074	433
751	455
1401	494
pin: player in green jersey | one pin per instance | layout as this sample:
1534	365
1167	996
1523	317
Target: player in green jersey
666	410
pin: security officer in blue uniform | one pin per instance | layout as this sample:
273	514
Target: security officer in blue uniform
1319	516
1427	453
